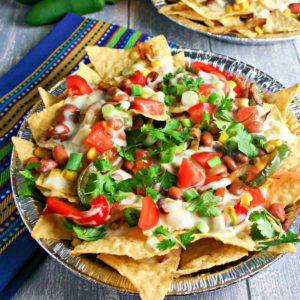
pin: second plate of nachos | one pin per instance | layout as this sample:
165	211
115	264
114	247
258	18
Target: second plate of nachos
177	166
238	21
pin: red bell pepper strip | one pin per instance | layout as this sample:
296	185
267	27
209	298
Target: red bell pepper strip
148	106
197	110
95	216
202	158
220	192
200	66
149	215
77	86
138	78
257	197
189	175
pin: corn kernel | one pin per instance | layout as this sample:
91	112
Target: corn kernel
272	144
287	12
278	142
239	1
41	152
223	137
146	72
70	175
258	30
236	7
228	8
229	210
155	63
242	102
231	83
92	154
246	199
55	172
245	5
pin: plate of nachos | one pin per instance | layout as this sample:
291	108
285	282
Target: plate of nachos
175	165
238	21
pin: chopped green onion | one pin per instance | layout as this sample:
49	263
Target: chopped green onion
131	216
136	90
202	227
213	98
205	120
190	194
202	98
175	89
214	162
118	196
193	71
123	105
186	123
233	129
108	110
167	100
74	161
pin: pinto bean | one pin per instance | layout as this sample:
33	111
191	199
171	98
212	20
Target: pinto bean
125	84
229	162
120	96
277	210
213	129
152	76
242	158
175	192
60	155
207	138
216	170
103	86
236	187
129	164
46	165
295	8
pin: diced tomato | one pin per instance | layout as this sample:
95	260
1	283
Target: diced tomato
77	86
197	110
238	90
206	89
220	192
249	113
142	160
148	106
241	211
100	140
149	215
138	78
258	197
202	158
212	178
189	175
200	66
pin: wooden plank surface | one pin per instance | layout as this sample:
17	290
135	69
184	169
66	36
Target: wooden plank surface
51	280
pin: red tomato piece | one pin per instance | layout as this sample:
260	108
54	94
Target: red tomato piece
206	89
249	113
100	140
241	211
197	110
142	160
77	86
149	215
202	158
208	68
148	106
189	175
258	197
220	192
138	78
212	178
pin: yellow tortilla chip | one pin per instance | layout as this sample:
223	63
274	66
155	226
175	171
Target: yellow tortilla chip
292	162
206	254
179	60
45	117
283	98
130	242
51	227
55	193
154	117
47	98
149	276
88	73
283	248
280	22
23	148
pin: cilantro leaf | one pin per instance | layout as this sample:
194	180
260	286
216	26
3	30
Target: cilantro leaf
165	244
103	165
187	237
245	145
167	180
205	205
170	242
192	84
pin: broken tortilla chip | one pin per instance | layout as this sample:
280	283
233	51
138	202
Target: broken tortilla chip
23	148
279	22
47	98
179	60
88	73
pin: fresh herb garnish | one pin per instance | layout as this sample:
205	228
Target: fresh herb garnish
205	205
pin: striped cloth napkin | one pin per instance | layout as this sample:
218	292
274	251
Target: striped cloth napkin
57	55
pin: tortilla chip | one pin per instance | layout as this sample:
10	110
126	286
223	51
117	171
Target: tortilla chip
149	276
280	22
130	242
110	63
154	117
47	98
51	227
292	162
23	148
206	254
283	98
179	60
39	123
283	248
55	193
177	109
88	74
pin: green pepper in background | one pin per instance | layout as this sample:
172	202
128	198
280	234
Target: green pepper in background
275	159
28	2
50	11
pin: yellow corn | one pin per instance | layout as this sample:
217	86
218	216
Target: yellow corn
146	72
272	144
228	8
41	152
245	5
55	172
246	199
287	12
155	63
92	154
242	102
223	137
70	175
231	83
229	210
258	30
236	7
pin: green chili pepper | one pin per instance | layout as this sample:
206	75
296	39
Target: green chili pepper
275	159
131	216
74	161
50	11
205	120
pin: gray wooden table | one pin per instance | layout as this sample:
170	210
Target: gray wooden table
51	280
